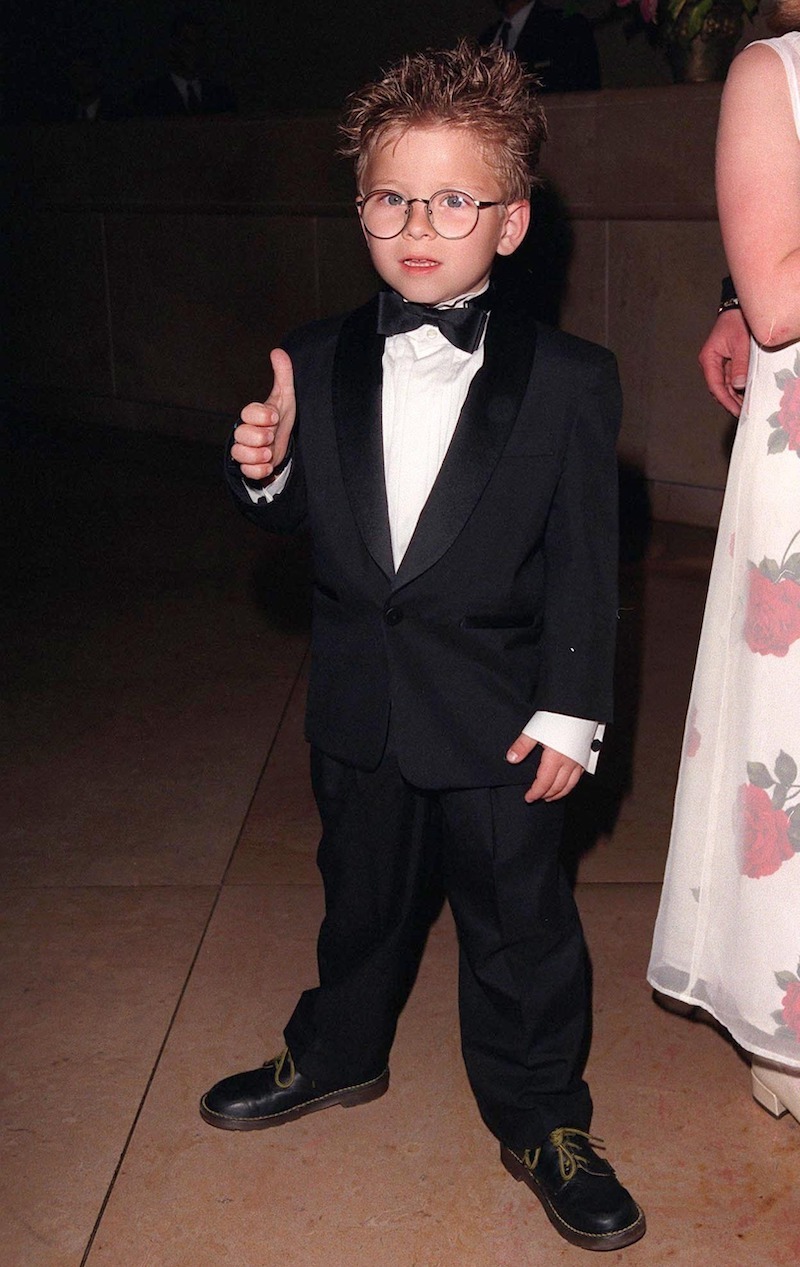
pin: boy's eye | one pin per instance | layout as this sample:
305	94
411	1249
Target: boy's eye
391	199
454	201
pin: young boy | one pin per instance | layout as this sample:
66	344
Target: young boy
455	465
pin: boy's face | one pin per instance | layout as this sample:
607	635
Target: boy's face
423	266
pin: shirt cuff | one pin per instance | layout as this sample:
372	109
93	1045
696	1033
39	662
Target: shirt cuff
575	737
267	492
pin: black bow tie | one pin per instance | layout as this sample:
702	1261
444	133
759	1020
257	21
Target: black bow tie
462	326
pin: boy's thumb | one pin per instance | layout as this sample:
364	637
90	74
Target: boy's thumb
283	372
521	748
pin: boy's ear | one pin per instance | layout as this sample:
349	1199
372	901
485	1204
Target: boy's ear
518	217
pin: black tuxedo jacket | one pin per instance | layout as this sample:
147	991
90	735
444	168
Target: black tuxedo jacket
559	49
505	601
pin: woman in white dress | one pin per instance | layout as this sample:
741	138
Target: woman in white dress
728	930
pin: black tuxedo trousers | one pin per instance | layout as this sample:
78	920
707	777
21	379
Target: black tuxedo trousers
388	853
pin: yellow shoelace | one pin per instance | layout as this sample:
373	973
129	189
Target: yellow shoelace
568	1146
280	1061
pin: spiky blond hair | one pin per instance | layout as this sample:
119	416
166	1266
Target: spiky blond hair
482	90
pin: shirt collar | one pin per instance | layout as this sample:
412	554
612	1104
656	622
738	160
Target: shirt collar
518	21
461	301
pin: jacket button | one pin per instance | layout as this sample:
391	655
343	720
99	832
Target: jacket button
393	615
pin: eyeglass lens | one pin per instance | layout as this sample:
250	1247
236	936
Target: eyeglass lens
452	214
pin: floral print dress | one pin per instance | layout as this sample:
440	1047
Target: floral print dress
728	930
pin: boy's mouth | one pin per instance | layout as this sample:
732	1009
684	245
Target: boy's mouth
414	261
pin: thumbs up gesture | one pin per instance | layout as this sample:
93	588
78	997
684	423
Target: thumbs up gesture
262	438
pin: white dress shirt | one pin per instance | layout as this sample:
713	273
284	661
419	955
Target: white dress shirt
425	384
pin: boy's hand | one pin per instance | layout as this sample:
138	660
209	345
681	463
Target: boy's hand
262	437
557	775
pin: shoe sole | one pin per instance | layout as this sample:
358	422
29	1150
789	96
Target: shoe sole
347	1098
600	1241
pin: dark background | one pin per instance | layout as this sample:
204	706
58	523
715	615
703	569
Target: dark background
298	55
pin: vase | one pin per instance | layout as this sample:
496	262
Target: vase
703	56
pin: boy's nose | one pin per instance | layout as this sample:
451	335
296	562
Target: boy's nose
418	225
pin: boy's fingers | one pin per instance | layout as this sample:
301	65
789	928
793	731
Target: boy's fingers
542	786
259	414
556	777
550	777
522	747
254	437
255	472
563	784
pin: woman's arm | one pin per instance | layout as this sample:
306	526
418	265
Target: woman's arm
758	194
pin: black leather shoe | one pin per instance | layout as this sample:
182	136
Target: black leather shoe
581	1195
278	1093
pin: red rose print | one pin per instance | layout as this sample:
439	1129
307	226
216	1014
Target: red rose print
765	832
772	622
791	1007
789	412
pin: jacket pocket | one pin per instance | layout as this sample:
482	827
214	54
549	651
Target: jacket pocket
502	620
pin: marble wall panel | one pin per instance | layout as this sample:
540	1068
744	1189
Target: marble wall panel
663	290
57	318
197	301
226	162
584	310
635	153
569	158
180	162
666	168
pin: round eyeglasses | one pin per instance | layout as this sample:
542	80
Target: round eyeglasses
451	213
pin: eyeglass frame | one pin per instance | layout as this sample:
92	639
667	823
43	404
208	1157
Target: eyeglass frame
479	204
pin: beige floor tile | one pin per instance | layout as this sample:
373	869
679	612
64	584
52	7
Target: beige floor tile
154	631
278	844
414	1179
139	784
89	982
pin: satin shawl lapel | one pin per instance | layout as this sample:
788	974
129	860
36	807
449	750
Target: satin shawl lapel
359	431
490	411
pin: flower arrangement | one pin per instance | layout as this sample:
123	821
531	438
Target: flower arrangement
698	36
681	21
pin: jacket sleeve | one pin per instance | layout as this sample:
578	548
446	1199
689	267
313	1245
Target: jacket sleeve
581	553
286	512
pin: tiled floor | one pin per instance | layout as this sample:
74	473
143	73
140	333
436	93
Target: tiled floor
160	904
